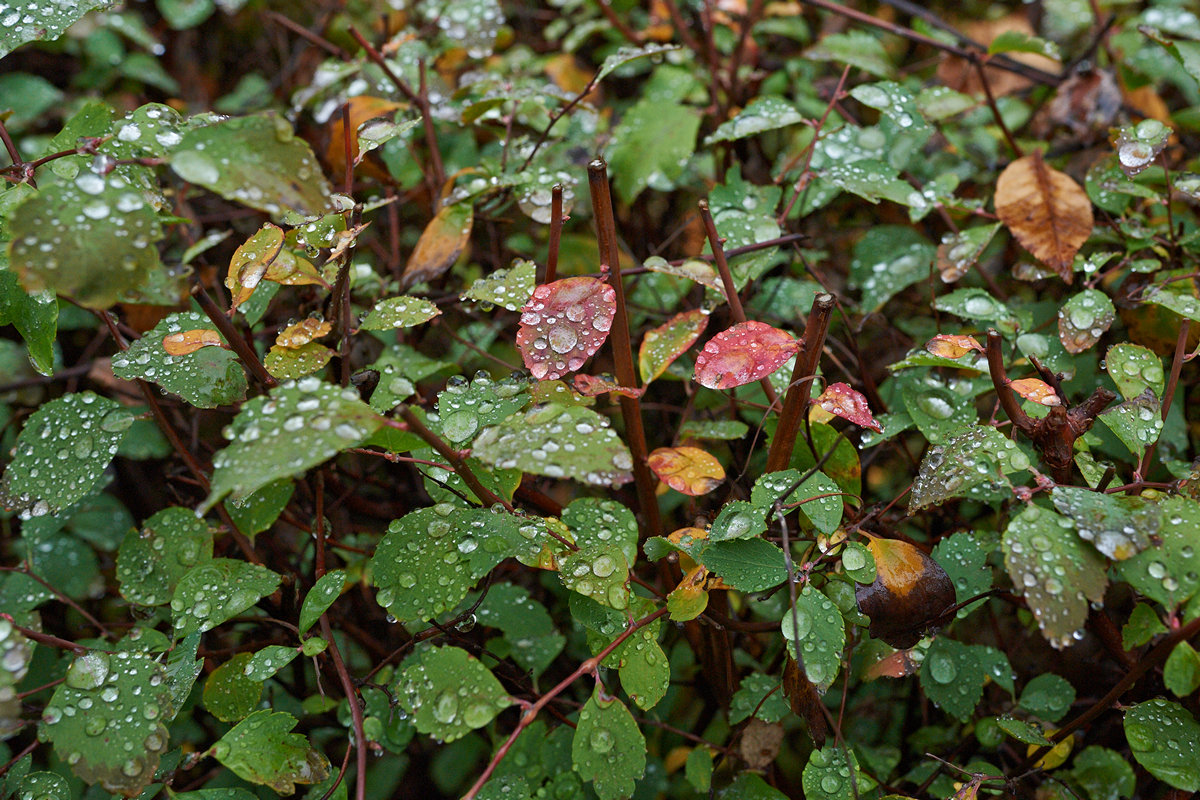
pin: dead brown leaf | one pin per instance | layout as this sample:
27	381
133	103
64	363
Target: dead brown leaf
1048	212
440	245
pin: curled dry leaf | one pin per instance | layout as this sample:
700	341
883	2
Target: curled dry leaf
303	332
251	261
1048	212
839	399
951	346
563	324
689	470
596	385
747	352
910	596
1036	391
668	341
441	243
184	342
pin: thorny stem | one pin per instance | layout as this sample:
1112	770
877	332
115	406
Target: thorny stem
456	461
232	335
796	400
556	226
586	668
622	346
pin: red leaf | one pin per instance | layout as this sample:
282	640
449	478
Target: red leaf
745	353
563	324
841	400
596	385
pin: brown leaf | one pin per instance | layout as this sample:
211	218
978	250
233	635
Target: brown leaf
1036	391
911	593
760	742
251	261
441	243
688	470
950	346
802	696
564	324
185	342
745	353
596	385
839	399
1048	212
303	332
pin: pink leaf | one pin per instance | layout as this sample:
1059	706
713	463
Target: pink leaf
563	324
595	385
745	353
840	400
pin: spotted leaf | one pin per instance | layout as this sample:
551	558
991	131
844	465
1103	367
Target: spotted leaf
302	332
747	352
250	262
689	470
948	346
910	595
662	345
596	385
449	692
206	377
151	561
399	312
564	324
608	749
218	590
839	399
1084	319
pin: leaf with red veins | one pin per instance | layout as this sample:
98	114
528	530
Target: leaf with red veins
747	352
668	341
563	324
1036	391
596	385
689	470
842	401
950	346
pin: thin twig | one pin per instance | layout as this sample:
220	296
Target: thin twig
456	461
233	336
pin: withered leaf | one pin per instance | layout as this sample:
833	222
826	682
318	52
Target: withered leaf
839	399
1048	212
952	346
689	470
440	245
910	596
185	342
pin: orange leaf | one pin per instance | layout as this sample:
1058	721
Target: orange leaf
911	593
839	399
689	470
949	346
745	353
1035	390
184	342
596	385
441	243
668	341
302	333
1048	212
362	108
251	261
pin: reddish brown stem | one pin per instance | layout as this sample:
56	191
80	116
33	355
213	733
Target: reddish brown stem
456	461
356	714
556	226
237	342
795	402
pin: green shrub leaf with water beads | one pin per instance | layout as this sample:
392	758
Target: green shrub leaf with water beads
594	520
31	22
748	565
598	571
36	319
218	590
1055	571
763	113
815	629
508	288
43	786
151	561
608	749
1169	571
887	260
106	719
91	239
940	410
738	519
400	367
256	512
1048	696
61	452
430	559
1134	369
559	442
1164	739
399	312
261	749
282	176
953	674
532	640
229	693
644	669
15	654
320	597
1083	320
832	774
300	425
1137	422
1119	526
972	464
465	408
449	692
964	557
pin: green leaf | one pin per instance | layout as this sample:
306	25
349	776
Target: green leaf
651	145
1084	318
608	749
533	640
818	633
1054	571
559	442
1104	774
1164	739
30	22
887	260
964	557
268	661
738	520
598	571
976	306
662	345
399	312
758	695
283	176
958	252
324	593
449	693
183	668
856	48
1014	41
260	749
624	55
1047	696
644	668
218	590
508	288
1022	731
467	407
300	425
1137	422
1118	525
1134	369
43	786
106	719
151	561
1185	305
895	102
229	693
62	451
593	520
290	363
698	769
1168	572
971	464
859	562
825	513
399	368
1181	672
832	774
91	239
871	180
1143	625
35	318
953	674
257	511
748	565
429	559
763	113
719	429
750	786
